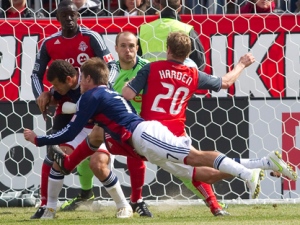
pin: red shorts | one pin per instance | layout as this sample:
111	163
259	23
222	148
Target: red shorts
121	148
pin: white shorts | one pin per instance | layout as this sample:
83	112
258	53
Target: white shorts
160	146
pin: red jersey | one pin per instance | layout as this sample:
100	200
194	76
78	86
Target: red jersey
76	50
170	86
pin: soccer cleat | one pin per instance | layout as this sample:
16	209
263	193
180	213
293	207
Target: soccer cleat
76	202
221	204
141	208
39	213
254	183
59	158
49	214
125	212
278	165
221	212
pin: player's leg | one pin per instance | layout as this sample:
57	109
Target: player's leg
151	139
137	170
59	122
188	173
273	161
85	149
55	184
86	195
99	165
205	192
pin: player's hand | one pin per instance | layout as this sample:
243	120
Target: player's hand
247	59
43	102
29	135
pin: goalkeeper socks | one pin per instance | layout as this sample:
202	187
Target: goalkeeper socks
80	153
55	184
189	184
85	175
46	167
261	163
113	187
227	165
137	171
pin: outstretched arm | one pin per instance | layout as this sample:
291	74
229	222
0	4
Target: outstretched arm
229	79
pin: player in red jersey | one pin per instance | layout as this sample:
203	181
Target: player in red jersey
74	44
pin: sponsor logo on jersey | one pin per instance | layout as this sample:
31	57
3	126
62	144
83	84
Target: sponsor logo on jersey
83	46
57	42
108	58
138	98
36	67
82	57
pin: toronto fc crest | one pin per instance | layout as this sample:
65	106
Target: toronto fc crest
82	46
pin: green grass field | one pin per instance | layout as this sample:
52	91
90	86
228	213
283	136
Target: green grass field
165	214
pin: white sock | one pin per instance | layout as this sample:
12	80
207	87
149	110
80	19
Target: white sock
261	163
55	184
117	195
227	165
113	187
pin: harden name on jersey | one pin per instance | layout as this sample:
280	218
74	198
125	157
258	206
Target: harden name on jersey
172	74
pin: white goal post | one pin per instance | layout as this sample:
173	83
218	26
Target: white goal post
259	114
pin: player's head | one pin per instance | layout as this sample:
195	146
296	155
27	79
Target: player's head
179	45
94	72
62	75
127	47
67	15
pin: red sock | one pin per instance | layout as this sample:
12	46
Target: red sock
206	190
80	153
44	183
137	171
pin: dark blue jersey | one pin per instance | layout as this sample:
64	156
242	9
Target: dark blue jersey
106	108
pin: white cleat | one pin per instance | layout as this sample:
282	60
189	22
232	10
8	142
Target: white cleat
254	183
125	212
49	214
278	165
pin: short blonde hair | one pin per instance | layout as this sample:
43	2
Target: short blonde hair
97	69
179	44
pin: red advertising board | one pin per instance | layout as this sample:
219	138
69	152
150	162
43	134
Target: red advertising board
271	35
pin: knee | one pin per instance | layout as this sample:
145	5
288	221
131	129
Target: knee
99	162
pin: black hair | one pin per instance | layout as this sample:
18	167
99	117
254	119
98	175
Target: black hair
60	69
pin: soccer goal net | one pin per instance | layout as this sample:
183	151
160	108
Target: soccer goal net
258	114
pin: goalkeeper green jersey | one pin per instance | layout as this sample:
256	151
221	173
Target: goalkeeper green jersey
127	75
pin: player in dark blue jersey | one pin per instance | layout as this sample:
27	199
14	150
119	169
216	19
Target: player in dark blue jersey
147	139
74	44
65	81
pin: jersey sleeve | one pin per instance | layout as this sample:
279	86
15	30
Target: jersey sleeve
101	50
86	107
140	81
209	82
41	62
